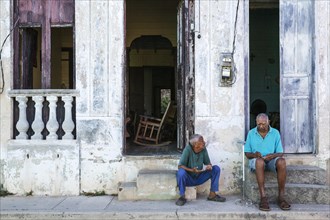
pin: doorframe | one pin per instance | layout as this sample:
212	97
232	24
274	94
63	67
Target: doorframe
246	49
185	74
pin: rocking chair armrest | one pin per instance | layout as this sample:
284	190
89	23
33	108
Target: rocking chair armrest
149	123
145	117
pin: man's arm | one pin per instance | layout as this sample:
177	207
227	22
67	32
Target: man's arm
268	157
193	170
253	155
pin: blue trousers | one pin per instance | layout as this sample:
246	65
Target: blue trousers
184	179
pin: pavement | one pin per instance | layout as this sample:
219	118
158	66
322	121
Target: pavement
109	207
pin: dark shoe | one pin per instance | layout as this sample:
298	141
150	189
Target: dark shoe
217	198
263	205
283	204
181	201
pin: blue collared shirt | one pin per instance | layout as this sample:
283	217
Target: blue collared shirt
269	145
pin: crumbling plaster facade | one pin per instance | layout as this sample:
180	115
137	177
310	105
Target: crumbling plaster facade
95	161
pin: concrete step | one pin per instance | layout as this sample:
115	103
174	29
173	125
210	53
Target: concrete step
295	193
127	191
295	174
154	185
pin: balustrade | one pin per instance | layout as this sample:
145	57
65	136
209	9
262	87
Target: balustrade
44	114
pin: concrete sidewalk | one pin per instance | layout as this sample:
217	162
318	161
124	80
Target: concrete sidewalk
108	207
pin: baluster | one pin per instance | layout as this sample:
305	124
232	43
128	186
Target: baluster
38	124
68	124
52	124
22	124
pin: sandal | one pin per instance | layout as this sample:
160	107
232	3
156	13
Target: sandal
263	205
181	201
217	198
283	204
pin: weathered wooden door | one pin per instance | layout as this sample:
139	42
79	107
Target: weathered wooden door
297	76
185	73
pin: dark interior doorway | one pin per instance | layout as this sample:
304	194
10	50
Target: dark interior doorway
264	61
151	36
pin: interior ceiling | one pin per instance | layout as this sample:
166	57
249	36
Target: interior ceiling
151	17
260	4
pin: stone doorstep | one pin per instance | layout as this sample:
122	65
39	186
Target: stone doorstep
154	185
295	193
295	174
156	181
129	191
301	159
304	185
158	185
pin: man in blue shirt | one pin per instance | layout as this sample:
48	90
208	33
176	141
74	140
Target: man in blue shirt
191	172
264	150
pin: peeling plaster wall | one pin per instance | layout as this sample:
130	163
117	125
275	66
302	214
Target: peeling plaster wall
220	110
39	167
5	102
99	78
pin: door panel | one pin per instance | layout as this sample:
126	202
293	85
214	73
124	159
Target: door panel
296	54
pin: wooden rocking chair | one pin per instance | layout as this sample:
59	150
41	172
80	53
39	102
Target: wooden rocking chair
150	128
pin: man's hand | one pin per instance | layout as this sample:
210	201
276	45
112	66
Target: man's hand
208	167
196	170
269	157
257	155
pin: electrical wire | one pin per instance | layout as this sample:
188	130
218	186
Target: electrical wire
1	68
234	47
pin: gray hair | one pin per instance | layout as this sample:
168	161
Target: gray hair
262	115
194	139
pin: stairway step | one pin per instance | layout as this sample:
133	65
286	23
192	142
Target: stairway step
295	193
295	174
156	184
127	191
150	180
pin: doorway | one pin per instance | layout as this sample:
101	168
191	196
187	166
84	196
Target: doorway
151	77
264	62
281	76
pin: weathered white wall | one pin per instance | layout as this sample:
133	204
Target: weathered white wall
322	70
220	110
39	167
99	78
5	102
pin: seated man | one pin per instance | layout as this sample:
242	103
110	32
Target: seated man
191	172
264	150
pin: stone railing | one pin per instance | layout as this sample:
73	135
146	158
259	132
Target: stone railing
44	114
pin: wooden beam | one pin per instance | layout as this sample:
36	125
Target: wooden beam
46	47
